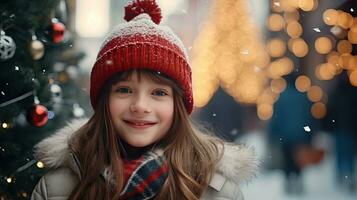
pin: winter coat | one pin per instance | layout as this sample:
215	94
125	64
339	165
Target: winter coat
238	164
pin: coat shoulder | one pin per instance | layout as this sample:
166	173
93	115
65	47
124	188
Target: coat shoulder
56	184
229	191
239	163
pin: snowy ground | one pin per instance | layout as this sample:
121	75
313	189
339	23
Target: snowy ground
319	183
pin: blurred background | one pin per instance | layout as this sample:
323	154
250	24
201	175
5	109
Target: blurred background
278	75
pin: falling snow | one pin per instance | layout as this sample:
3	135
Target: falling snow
16	68
109	62
234	132
245	52
214	114
352	10
3	93
307	128
257	69
317	30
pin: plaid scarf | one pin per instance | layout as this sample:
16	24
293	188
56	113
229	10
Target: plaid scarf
143	176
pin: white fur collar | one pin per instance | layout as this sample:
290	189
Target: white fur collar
239	163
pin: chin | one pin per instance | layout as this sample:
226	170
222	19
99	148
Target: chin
140	143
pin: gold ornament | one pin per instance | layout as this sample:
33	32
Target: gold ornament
37	49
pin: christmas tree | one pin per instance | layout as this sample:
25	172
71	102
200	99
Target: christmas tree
38	88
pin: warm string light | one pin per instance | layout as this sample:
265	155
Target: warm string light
40	164
315	93
318	110
238	57
294	29
8	179
275	22
298	47
291	16
302	83
345	25
276	47
5	125
323	45
283	66
278	85
280	67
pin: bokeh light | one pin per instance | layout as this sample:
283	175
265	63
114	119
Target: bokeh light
298	47
323	45
303	83
345	20
278	85
314	93
308	5
318	110
275	22
294	29
353	78
344	46
264	111
276	47
330	17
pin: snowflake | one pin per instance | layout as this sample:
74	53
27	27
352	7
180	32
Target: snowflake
245	52
317	30
257	69
307	129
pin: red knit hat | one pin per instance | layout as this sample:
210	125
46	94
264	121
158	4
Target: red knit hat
142	44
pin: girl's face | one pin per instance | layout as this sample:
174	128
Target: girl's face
144	109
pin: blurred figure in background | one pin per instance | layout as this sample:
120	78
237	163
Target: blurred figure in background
290	130
342	112
222	114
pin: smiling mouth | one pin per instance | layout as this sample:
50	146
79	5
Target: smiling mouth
139	125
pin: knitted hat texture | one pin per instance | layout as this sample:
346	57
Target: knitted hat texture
141	43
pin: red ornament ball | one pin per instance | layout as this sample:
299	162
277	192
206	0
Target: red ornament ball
37	115
57	31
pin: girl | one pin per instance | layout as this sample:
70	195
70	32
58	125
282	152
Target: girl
139	144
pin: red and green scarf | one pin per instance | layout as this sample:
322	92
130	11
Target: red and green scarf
144	176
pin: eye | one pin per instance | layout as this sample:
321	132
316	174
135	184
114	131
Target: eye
123	90
159	92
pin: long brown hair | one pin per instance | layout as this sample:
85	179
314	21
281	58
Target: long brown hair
191	155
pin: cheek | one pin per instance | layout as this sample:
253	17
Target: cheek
115	106
167	113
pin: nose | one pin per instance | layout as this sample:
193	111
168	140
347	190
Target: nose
140	104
